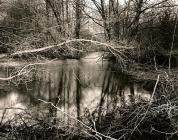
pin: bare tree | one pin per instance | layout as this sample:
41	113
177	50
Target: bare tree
55	5
78	16
101	7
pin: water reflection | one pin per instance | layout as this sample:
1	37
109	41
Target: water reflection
73	86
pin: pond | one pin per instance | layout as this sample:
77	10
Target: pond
73	85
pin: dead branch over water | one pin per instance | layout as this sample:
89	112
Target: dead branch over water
139	36
103	45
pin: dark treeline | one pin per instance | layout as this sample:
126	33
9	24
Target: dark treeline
28	24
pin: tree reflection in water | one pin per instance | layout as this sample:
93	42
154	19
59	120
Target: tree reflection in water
74	85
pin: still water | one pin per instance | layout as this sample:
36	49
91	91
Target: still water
72	85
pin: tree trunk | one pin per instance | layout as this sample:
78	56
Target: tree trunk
78	18
56	8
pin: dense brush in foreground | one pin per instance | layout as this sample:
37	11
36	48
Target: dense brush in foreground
136	121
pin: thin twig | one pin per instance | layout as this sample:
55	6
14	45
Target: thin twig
149	104
172	44
22	72
72	117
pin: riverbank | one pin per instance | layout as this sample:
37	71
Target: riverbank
140	120
152	118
